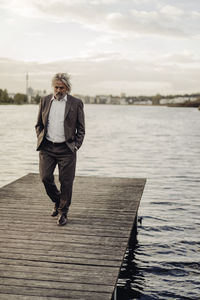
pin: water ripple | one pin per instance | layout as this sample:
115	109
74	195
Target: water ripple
161	144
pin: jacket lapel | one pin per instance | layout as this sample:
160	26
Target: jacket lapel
68	105
47	110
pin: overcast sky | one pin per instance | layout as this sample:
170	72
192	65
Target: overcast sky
139	47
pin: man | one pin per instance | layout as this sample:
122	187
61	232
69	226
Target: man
60	130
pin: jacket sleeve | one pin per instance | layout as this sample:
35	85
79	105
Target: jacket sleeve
80	129
39	125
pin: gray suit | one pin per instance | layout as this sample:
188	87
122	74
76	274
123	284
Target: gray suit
74	125
61	154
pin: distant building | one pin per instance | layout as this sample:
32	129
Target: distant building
31	94
123	95
86	99
176	100
123	101
143	102
101	99
11	95
131	100
115	100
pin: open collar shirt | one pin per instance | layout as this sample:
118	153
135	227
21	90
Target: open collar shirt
55	126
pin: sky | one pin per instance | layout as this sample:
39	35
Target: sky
136	47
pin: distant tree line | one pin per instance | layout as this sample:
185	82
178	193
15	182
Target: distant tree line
21	98
4	98
18	98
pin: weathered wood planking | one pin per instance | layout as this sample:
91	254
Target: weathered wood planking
40	260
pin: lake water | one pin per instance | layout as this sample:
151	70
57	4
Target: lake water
161	144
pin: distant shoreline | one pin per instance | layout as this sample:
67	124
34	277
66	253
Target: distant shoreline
179	105
186	100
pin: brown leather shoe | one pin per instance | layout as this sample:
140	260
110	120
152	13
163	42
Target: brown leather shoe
54	212
62	220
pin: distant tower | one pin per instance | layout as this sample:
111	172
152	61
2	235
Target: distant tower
27	84
27	89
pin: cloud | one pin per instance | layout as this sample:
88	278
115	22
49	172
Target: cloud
170	10
112	16
184	59
144	23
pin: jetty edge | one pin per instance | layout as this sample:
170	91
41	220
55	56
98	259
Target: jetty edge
40	260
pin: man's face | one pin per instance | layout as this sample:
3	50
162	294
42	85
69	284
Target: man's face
60	89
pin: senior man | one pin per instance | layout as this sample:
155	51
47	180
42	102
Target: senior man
60	130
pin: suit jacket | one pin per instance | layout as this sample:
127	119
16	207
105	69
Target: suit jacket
74	121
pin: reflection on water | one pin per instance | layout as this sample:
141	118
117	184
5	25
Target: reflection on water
159	143
131	278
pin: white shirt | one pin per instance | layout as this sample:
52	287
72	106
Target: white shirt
55	126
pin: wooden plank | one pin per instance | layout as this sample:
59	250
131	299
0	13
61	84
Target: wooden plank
75	230
59	252
55	284
47	246
40	260
43	265
54	293
66	274
62	260
17	247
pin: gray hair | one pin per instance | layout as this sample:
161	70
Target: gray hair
64	77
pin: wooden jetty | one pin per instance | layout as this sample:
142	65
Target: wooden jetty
40	260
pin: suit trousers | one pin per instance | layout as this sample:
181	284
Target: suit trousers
50	156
